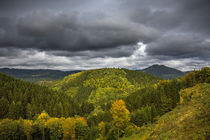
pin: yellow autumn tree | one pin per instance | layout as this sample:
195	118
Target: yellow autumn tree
81	119
69	126
101	127
28	128
120	115
54	126
42	119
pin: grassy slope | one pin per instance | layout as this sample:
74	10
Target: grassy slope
188	121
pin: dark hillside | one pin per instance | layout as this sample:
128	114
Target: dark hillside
164	72
37	75
24	99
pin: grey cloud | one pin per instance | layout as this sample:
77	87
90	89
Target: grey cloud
15	53
20	7
183	15
48	31
93	31
9	52
121	51
195	15
180	46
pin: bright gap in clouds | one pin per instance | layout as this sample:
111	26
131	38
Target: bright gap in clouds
141	48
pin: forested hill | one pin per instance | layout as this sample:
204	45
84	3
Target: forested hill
24	99
103	86
19	98
189	120
105	104
164	71
37	75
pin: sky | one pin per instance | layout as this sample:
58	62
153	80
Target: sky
89	34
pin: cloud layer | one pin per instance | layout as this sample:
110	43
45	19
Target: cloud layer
86	34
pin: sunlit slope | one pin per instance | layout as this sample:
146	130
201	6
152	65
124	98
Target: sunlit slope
106	84
189	120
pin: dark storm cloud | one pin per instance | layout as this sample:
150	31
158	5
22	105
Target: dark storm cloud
48	31
81	30
121	51
185	27
169	14
195	16
180	46
16	7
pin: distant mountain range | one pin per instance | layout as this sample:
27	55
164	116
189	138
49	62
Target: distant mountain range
37	75
164	71
49	75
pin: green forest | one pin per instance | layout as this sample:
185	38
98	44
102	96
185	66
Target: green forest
105	104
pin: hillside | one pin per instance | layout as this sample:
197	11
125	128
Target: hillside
103	85
189	120
51	75
164	71
37	75
24	99
106	104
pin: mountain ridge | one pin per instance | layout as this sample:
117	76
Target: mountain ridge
35	75
164	71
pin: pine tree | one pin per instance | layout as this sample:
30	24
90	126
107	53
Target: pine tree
4	107
12	114
29	111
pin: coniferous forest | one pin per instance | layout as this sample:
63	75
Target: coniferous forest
104	104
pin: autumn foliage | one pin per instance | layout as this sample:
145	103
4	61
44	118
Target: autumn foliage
96	104
120	113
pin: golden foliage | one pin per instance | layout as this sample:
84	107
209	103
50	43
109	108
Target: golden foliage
43	117
69	126
120	113
101	127
28	128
